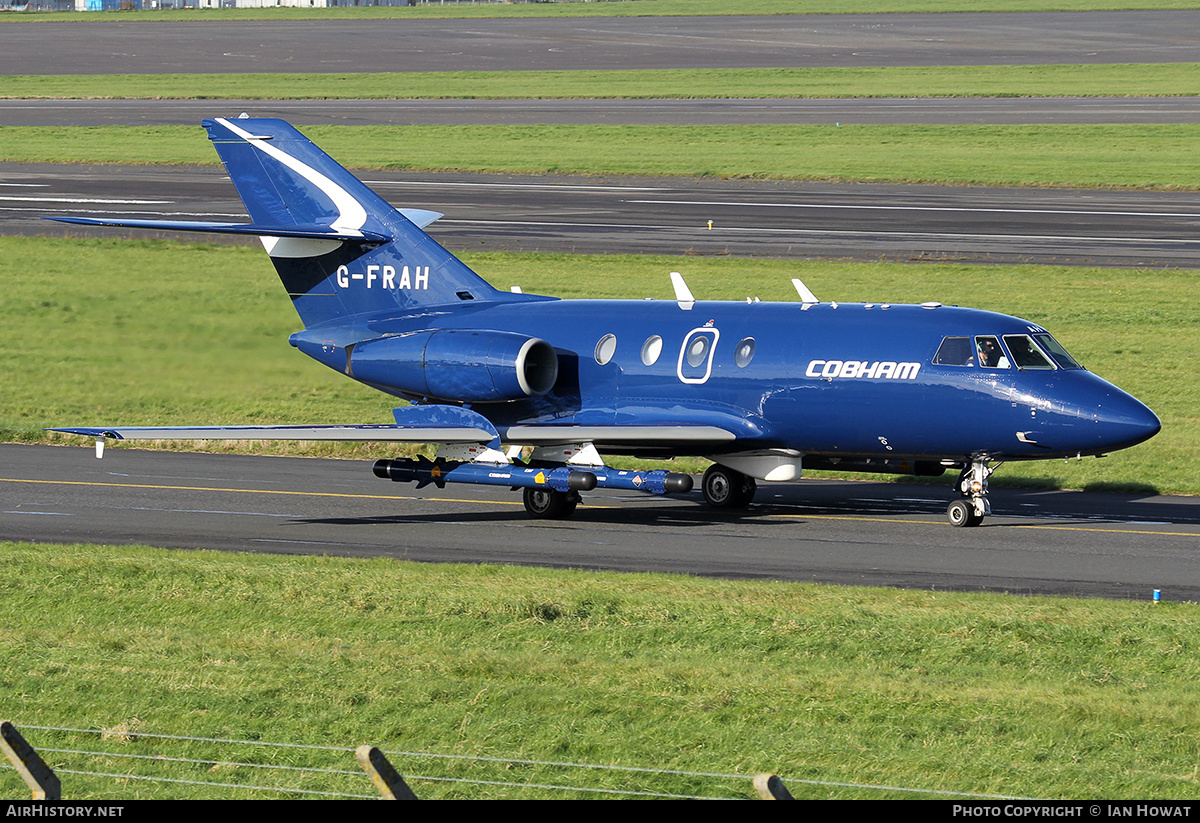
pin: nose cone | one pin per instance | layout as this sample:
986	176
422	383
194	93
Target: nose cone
1098	417
1123	421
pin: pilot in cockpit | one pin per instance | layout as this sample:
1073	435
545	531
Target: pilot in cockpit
991	356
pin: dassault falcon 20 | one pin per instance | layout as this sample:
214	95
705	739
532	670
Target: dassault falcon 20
527	391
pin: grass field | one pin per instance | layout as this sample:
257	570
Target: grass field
1091	156
1034	697
159	333
1141	80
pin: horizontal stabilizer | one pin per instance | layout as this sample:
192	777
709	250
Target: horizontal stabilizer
418	217
316	232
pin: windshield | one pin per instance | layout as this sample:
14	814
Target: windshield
1056	351
1026	354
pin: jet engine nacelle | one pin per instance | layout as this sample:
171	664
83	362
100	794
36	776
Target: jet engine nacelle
465	365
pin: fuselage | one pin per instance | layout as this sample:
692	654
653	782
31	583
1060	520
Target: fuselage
852	380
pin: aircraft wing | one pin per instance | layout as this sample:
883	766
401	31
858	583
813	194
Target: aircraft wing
619	435
403	434
682	429
414	424
450	425
417	433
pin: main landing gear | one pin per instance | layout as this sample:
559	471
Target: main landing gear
547	504
725	488
973	486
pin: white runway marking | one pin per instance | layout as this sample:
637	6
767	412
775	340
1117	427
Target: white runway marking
951	209
822	232
84	200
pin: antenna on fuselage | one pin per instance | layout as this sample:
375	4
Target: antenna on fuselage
682	293
806	296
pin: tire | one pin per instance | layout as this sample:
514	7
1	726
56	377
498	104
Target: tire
961	514
725	488
547	504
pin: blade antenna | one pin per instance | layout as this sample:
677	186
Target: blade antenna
806	296
682	293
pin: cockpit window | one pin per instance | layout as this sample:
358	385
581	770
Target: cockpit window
991	355
1026	353
1056	351
954	351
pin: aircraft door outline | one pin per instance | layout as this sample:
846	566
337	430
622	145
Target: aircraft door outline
696	355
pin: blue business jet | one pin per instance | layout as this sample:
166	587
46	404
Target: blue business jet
527	391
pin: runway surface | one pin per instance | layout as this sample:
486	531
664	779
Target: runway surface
670	215
103	47
1037	542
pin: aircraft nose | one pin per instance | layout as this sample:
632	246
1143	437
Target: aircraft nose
1092	416
1121	421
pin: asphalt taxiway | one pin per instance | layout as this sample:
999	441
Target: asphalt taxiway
861	533
754	41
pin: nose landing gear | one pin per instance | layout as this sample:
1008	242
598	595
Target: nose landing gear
973	486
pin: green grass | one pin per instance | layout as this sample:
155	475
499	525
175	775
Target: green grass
642	8
158	333
1090	156
1037	697
1140	80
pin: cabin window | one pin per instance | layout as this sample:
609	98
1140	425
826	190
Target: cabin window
651	349
954	351
744	353
1026	353
991	355
606	348
697	349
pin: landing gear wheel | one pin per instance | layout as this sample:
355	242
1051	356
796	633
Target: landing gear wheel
547	504
727	489
962	514
972	484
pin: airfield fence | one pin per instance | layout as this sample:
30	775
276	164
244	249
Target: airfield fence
299	770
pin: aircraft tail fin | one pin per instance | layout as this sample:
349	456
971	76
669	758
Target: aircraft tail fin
339	248
377	257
